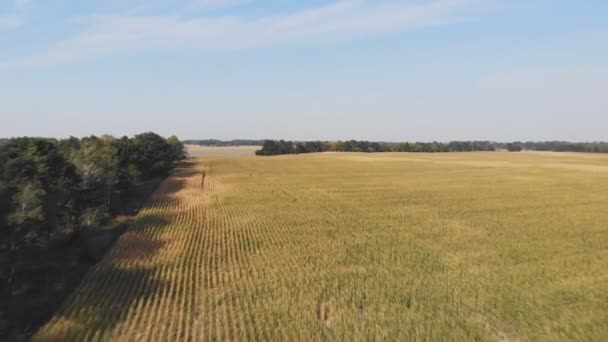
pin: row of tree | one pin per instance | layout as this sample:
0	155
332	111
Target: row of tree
558	146
276	147
273	147
49	186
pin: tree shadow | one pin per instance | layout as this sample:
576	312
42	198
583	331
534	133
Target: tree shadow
134	245
186	168
101	303
119	283
87	279
111	288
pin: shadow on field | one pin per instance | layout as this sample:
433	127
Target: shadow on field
135	245
186	169
122	282
187	172
106	301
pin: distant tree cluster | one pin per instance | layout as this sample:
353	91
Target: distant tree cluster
49	186
273	147
276	147
215	142
556	146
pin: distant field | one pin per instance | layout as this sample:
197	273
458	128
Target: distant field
197	151
454	246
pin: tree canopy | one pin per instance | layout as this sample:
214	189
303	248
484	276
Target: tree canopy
49	186
275	147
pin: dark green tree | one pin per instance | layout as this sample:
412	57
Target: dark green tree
152	154
179	151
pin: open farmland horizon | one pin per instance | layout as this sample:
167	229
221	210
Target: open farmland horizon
209	147
199	151
284	170
343	246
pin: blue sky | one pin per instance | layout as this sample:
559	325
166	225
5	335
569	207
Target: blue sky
377	70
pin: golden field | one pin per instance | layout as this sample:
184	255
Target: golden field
347	246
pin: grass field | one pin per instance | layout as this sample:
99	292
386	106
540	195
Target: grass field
196	151
472	246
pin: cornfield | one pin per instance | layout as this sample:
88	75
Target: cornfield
472	246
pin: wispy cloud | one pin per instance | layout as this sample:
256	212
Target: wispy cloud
213	4
104	35
16	18
11	21
20	4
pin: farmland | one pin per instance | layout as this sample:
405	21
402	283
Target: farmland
196	151
343	246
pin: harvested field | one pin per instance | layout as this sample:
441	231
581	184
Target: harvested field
341	246
196	151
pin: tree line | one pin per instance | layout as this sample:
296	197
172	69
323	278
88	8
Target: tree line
277	147
50	186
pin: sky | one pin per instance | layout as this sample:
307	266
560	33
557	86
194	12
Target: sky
383	70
